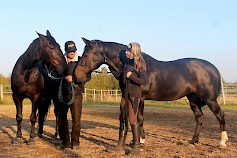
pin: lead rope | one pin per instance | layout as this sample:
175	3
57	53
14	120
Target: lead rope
60	89
60	93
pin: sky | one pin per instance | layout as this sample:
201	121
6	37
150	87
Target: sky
166	29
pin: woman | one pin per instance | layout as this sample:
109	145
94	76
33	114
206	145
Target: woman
134	75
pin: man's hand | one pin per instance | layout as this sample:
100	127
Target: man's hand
69	78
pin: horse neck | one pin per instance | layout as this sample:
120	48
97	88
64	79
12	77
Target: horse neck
112	56
31	57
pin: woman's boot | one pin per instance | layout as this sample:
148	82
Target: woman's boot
121	142
135	133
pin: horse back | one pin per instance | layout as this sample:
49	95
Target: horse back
173	80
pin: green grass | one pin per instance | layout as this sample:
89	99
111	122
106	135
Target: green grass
163	104
7	100
148	103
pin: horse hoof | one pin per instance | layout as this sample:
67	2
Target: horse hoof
135	151
40	135
17	140
222	145
193	142
53	137
224	139
117	149
31	141
56	134
142	141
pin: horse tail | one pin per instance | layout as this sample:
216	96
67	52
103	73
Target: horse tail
220	84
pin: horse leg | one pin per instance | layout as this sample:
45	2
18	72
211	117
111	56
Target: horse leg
33	121
123	128
43	107
215	108
18	103
56	104
56	126
140	120
196	104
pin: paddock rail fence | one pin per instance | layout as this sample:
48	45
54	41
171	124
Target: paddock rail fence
227	96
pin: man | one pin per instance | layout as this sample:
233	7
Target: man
76	107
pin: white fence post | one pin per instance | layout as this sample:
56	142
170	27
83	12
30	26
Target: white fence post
101	95
94	94
1	92
116	95
85	93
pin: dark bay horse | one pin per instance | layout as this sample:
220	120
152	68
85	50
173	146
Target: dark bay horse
28	82
196	79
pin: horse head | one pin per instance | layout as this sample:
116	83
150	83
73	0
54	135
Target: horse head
95	54
51	53
91	59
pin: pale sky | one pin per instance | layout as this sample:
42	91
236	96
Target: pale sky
166	29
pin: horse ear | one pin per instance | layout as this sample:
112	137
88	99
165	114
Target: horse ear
41	37
48	33
86	41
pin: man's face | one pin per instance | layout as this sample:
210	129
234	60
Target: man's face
71	55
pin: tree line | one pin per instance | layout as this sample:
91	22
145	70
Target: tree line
99	80
102	80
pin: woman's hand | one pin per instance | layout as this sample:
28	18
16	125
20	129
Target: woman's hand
69	78
129	73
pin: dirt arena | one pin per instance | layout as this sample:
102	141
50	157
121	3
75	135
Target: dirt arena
168	131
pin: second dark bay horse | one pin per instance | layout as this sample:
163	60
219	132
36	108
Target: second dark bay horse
27	81
197	79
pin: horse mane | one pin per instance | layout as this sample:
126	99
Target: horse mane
112	50
34	45
32	53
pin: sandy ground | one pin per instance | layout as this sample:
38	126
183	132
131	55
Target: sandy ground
168	132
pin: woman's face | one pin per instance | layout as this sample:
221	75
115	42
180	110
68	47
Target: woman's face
129	54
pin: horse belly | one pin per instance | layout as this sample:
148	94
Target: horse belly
29	89
168	91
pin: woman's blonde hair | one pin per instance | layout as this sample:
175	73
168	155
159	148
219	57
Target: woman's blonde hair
139	62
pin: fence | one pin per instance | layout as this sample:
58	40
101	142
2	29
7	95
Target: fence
102	95
88	95
227	96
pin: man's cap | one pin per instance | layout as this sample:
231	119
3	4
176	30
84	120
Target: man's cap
70	46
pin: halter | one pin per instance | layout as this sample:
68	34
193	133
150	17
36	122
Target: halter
49	73
109	62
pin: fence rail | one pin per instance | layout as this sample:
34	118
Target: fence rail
228	96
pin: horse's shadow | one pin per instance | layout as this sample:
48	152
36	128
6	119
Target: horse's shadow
8	127
8	123
49	137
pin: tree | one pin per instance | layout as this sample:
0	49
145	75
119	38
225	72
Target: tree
5	80
102	80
